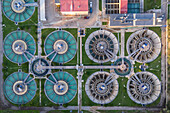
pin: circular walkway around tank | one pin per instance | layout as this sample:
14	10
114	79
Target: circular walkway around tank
16	11
19	46
17	91
60	46
63	91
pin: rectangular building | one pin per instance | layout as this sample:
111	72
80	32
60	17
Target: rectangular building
74	7
122	6
131	20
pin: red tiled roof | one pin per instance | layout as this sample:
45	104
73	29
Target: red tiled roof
73	5
124	6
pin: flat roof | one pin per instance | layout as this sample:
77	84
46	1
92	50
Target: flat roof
124	6
132	19
57	1
73	5
42	10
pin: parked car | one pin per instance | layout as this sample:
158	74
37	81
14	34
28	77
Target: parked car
86	17
91	7
90	4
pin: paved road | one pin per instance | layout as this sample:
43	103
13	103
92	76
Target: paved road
2	98
80	92
122	42
87	108
163	67
164	54
80	50
39	34
76	67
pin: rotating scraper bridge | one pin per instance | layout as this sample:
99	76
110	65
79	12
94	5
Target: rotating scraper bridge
60	46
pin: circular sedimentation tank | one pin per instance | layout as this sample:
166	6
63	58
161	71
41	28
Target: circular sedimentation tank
60	87
101	87
36	67
60	46
144	46
101	46
19	88
125	66
16	11
144	88
19	46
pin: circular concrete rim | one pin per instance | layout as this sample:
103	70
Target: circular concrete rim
61	93
17	21
9	35
6	94
136	101
34	62
131	70
68	33
134	34
66	46
13	46
89	39
87	88
22	93
18	11
61	103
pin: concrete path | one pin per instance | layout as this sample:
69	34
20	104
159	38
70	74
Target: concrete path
122	43
45	109
80	50
76	67
164	11
80	92
39	34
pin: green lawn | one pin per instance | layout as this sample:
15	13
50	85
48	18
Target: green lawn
127	35
86	60
85	99
45	33
100	5
152	4
104	23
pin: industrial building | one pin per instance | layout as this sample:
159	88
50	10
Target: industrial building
122	6
73	7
